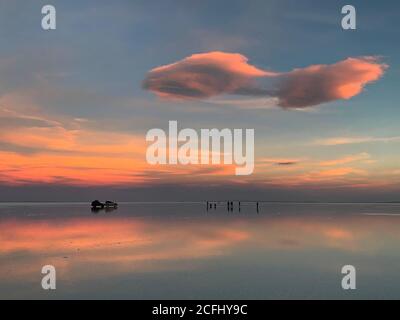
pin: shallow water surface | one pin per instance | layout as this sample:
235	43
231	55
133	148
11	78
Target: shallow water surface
183	251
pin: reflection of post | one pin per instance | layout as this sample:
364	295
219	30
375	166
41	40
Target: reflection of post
257	206
207	205
227	205
239	206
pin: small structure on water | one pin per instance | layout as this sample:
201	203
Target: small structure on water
96	204
111	204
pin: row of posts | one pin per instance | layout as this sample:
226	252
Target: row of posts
229	205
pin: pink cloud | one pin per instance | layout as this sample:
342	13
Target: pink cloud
318	84
206	75
203	75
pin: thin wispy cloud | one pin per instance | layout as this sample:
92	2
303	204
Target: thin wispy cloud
347	159
279	161
354	140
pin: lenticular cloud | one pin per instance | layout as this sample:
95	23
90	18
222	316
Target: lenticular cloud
318	84
207	75
203	75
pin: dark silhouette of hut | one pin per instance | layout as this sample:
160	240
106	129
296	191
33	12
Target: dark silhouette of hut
97	204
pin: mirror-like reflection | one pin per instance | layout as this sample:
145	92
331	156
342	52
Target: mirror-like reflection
142	251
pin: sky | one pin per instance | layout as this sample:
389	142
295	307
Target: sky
76	102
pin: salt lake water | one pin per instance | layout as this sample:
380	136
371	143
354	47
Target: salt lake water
182	251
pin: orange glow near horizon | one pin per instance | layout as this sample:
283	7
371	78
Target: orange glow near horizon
67	152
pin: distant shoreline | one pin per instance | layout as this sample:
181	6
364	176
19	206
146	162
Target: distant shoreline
204	201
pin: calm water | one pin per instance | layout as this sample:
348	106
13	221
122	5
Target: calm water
179	250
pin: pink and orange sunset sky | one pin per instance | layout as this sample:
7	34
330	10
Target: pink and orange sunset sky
76	102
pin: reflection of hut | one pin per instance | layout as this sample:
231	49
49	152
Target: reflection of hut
97	204
95	209
110	209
